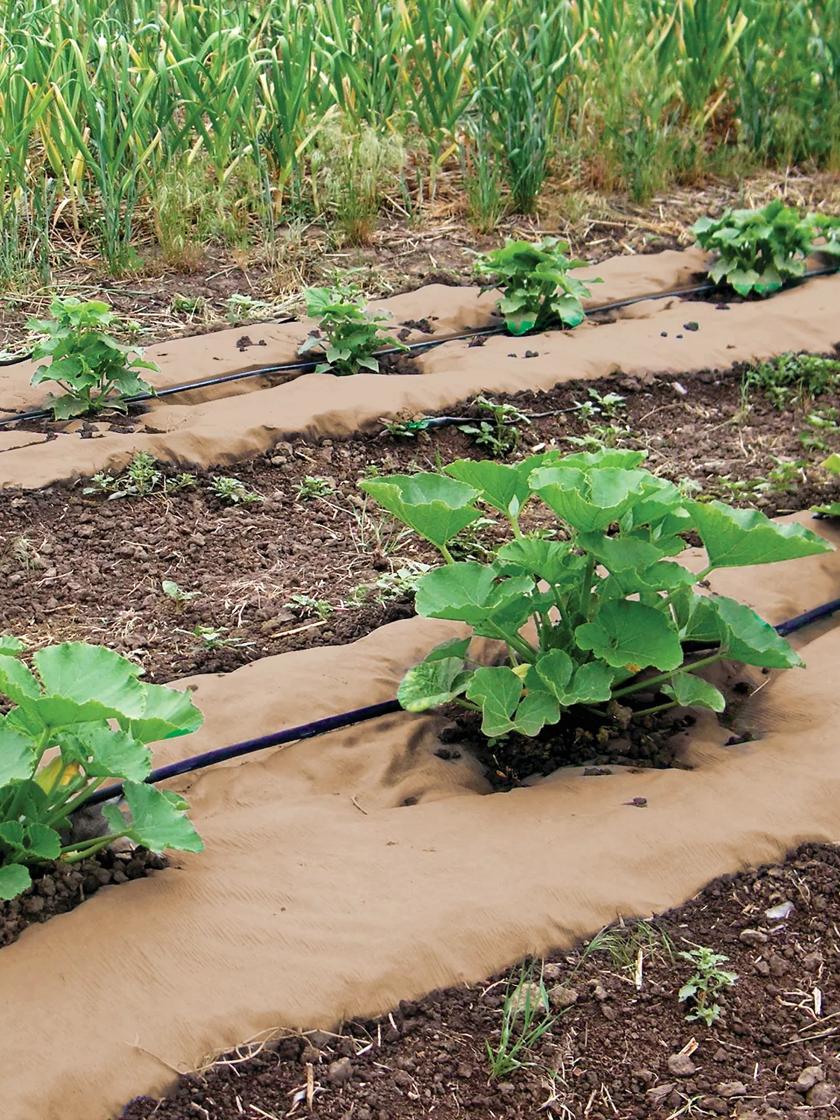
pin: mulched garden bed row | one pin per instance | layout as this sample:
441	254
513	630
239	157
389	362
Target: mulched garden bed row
84	567
619	1046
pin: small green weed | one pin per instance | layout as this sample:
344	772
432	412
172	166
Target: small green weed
792	378
705	984
233	492
240	308
525	1019
497	428
176	593
314	486
305	606
141	478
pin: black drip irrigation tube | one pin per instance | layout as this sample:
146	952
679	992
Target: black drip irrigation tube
412	347
357	715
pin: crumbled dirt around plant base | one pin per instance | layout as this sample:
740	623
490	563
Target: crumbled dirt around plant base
83	567
580	739
59	888
619	1046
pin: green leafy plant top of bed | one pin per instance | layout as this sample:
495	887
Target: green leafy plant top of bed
827	226
832	465
94	370
80	718
537	288
348	333
586	606
757	250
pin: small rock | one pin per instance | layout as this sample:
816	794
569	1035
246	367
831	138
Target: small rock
340	1071
753	937
808	1078
507	1088
681	1065
599	992
660	1092
644	1075
402	1079
730	1089
528	997
310	1055
822	1095
778	965
560	998
464	1071
780	912
552	972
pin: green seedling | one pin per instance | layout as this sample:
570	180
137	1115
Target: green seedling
348	334
705	984
626	944
93	369
537	289
792	378
390	586
758	251
234	492
305	606
188	305
241	308
314	486
141	478
177	594
611	614
822	426
497	428
213	637
79	719
405	429
832	465
525	1019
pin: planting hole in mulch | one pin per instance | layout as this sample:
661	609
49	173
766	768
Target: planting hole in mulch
59	888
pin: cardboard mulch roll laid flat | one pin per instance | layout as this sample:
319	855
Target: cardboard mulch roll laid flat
322	894
667	336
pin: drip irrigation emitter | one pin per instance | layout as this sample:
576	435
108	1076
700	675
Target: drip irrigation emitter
349	719
412	347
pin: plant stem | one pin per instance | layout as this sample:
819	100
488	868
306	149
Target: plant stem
649	682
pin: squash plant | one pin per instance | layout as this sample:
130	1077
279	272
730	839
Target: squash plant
537	290
94	369
348	334
757	250
601	594
80	718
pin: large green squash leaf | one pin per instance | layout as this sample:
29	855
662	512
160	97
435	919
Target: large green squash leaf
500	486
158	819
737	537
433	505
629	635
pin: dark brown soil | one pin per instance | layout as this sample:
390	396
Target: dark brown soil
618	1046
84	567
583	739
58	888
